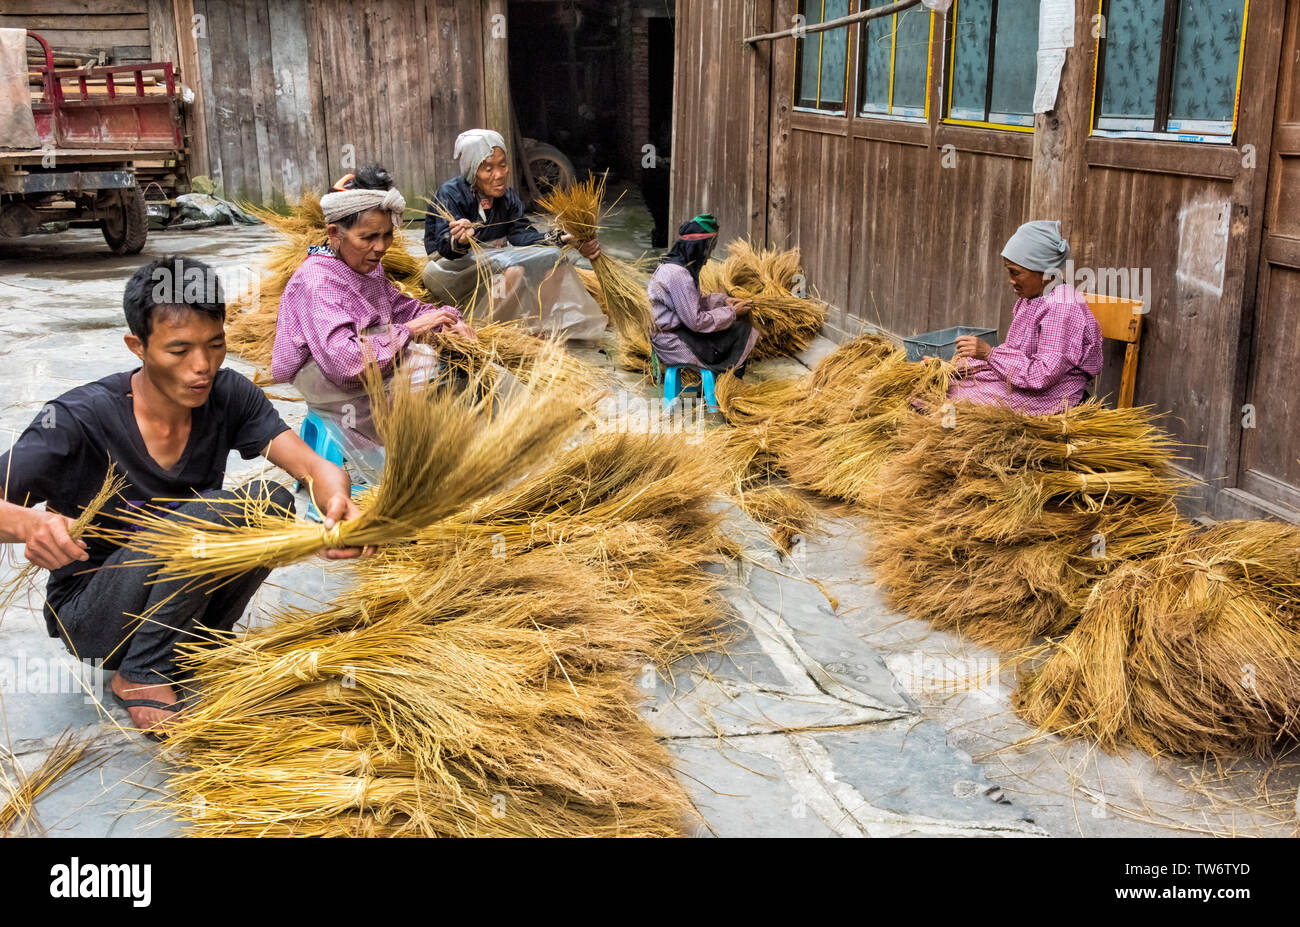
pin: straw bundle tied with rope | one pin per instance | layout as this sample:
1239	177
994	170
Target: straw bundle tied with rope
480	680
996	524
1193	650
786	318
444	449
577	210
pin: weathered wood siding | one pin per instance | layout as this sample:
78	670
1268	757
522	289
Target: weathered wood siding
119	28
298	92
902	232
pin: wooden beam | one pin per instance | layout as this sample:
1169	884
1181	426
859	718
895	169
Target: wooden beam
1060	164
192	75
496	73
162	32
859	17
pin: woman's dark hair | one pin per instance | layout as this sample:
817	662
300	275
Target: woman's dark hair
370	177
171	284
691	254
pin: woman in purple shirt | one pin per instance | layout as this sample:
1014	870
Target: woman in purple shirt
1053	347
691	329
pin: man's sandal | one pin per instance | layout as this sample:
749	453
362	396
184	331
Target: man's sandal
129	703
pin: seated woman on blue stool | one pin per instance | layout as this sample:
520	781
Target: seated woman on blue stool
690	329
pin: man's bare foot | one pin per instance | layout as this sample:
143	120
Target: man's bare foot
154	720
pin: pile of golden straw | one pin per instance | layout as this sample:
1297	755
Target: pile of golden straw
482	680
1193	650
995	524
786	317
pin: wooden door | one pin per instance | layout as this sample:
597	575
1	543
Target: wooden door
1270	458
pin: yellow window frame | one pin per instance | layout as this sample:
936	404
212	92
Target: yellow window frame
893	58
951	52
1169	136
848	64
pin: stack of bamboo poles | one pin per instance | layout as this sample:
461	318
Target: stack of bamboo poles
480	680
786	318
996	524
1193	650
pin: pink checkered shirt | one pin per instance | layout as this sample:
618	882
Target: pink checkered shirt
323	312
1052	350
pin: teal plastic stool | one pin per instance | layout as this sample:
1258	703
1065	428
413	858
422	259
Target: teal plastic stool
326	439
673	388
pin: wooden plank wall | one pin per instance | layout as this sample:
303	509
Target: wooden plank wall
714	122
895	239
298	92
120	28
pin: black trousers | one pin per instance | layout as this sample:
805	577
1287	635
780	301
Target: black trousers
101	621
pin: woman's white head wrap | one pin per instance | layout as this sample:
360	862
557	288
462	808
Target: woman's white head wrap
1038	245
343	203
473	147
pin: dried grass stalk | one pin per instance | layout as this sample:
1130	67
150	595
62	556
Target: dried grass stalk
577	210
444	449
1193	650
113	484
68	752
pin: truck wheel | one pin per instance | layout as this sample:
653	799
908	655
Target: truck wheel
127	226
550	167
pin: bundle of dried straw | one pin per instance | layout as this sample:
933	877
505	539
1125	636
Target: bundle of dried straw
1193	650
787	318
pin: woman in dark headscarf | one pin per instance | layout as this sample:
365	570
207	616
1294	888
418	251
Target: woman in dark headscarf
692	329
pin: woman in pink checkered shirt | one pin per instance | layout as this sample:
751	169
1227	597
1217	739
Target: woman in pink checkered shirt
1053	347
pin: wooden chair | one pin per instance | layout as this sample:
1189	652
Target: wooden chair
1120	320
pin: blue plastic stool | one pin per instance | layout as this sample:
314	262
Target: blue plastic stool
673	389
326	439
323	436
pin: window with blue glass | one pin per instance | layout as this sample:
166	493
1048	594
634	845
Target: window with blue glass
822	59
992	62
1170	67
894	63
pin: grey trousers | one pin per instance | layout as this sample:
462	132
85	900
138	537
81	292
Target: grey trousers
101	621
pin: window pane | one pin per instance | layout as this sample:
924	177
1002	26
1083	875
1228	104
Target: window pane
1132	60
911	61
876	42
1205	64
809	48
835	56
970	58
1015	61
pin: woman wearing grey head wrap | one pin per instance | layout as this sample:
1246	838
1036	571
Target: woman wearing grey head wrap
531	277
1053	347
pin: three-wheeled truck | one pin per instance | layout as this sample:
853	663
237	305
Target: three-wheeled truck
93	125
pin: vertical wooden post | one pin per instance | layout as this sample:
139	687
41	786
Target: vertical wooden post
192	76
760	106
1060	169
497	107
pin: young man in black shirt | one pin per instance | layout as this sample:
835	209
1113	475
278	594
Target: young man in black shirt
168	428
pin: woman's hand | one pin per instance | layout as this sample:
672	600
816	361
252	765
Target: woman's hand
434	320
741	307
463	329
342	508
462	230
970	346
